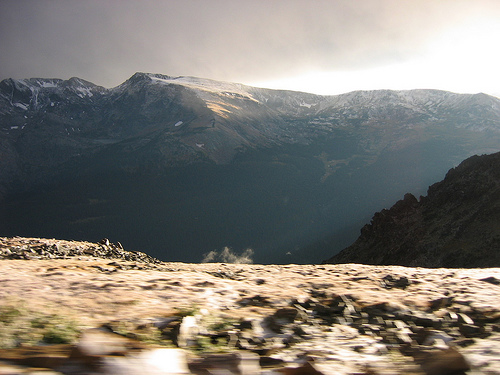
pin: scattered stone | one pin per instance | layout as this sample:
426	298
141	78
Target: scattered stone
225	274
470	330
390	282
104	241
255	301
440	303
271	362
437	338
40	248
491	280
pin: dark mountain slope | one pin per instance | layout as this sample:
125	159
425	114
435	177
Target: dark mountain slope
456	225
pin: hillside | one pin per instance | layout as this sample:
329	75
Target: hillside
456	225
180	166
86	308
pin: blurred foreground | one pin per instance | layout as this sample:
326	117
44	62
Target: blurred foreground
83	314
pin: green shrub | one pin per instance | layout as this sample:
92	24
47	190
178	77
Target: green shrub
20	325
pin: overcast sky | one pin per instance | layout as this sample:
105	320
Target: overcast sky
327	47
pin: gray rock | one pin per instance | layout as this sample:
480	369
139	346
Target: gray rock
491	280
390	281
443	362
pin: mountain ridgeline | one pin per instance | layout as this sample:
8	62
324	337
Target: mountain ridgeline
179	166
455	225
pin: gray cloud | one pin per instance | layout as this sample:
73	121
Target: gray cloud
106	41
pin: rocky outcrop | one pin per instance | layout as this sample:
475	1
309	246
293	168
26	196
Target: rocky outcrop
456	225
41	248
110	316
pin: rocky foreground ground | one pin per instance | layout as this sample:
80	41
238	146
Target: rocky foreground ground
81	308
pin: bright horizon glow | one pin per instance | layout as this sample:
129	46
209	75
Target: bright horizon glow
464	60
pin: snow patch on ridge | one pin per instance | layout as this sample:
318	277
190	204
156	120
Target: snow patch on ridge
21	105
46	84
207	85
84	91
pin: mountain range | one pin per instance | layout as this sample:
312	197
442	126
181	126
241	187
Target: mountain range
179	166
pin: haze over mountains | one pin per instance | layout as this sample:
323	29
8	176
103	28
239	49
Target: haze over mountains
179	166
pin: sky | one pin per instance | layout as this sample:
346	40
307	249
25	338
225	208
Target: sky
320	46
